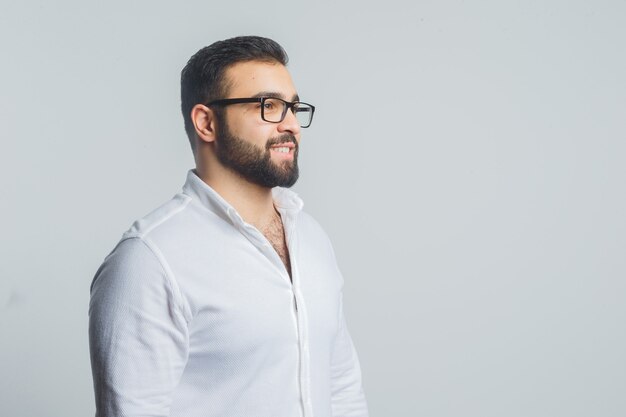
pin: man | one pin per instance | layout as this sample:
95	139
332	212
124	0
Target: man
227	300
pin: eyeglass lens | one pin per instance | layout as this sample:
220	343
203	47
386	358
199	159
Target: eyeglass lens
274	110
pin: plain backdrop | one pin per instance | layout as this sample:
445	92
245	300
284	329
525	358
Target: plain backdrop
467	159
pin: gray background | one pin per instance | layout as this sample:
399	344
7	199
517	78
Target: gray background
467	160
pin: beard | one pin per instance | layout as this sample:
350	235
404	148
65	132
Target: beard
254	163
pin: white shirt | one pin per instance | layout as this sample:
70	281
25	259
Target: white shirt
193	314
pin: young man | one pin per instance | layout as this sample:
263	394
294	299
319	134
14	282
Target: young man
227	300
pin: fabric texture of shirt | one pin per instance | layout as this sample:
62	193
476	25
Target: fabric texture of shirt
194	314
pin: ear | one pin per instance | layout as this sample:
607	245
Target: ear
203	119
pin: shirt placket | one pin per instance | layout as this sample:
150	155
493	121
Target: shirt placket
301	315
299	311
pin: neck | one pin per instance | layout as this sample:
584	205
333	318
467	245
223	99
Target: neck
253	202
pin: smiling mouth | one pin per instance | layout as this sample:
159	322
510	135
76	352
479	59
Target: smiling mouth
284	152
281	149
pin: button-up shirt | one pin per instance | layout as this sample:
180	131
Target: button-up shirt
194	314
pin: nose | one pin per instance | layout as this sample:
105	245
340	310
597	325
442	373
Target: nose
290	123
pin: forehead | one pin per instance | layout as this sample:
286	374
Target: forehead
246	79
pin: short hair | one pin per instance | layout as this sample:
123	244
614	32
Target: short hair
203	78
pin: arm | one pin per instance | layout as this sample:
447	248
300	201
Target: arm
348	399
137	333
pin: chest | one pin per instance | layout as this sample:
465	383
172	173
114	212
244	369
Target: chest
236	295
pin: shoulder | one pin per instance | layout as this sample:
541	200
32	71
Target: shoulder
137	266
136	248
160	217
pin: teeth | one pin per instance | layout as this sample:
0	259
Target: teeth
283	149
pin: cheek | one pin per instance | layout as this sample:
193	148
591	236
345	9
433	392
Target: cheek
252	129
259	135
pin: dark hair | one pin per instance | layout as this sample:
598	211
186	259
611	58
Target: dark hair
202	79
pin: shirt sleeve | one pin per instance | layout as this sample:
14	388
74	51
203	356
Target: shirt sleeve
138	335
348	399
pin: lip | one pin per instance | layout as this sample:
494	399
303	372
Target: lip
289	145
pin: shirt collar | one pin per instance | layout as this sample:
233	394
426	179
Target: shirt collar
194	187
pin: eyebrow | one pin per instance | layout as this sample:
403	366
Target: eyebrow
275	94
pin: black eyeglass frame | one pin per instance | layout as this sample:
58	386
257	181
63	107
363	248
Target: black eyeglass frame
290	105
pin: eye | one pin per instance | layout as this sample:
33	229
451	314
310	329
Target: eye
272	106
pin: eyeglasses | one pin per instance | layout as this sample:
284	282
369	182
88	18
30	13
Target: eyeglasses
274	109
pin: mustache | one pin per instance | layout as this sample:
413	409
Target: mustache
281	139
